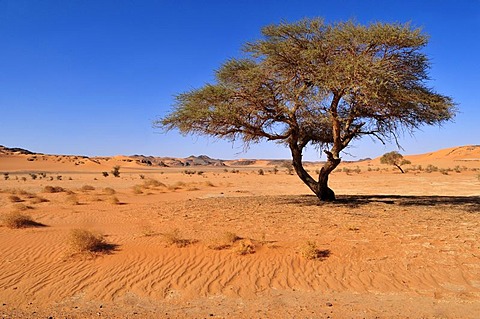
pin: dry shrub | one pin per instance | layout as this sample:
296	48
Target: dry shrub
109	191
174	238
38	200
19	220
53	189
152	183
209	184
137	189
177	185
114	200
86	188
244	247
311	252
14	199
82	240
72	199
224	242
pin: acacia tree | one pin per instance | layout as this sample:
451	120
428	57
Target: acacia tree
394	158
310	83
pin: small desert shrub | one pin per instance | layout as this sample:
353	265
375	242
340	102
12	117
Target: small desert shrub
444	171
261	172
177	185
116	171
114	200
86	188
6	176
430	168
244	247
189	172
14	199
109	191
105	174
38	200
311	252
225	241
153	183
137	190
82	240
142	176
72	199
230	237
18	220
174	238
24	178
53	189
209	184
33	176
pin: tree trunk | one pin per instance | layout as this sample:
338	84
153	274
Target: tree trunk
401	170
325	193
320	188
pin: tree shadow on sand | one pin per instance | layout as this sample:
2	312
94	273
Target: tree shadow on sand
467	203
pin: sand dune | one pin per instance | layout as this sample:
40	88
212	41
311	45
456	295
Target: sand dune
393	246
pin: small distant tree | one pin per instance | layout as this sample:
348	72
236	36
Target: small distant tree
394	158
116	171
311	83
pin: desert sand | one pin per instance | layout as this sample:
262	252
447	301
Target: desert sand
393	245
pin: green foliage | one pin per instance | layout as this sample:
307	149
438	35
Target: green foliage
314	83
394	158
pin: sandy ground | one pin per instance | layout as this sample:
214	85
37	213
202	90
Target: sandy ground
393	246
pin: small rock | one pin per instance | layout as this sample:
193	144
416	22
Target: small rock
329	304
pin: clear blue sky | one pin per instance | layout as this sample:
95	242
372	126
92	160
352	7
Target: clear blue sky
89	77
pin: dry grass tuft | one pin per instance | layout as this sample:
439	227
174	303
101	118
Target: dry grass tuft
176	186
82	240
87	188
53	189
114	200
311	252
38	200
72	199
137	189
19	220
244	247
15	199
109	191
152	183
209	184
174	238
224	242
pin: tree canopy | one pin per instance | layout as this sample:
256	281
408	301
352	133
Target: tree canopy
312	83
394	158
